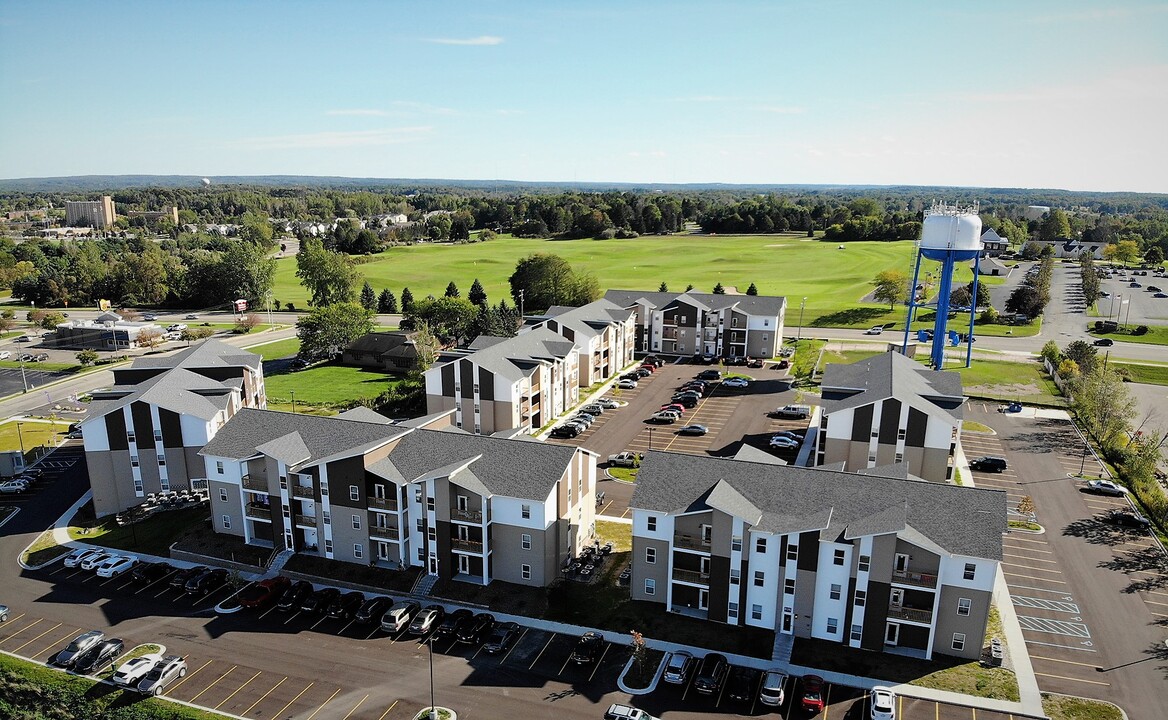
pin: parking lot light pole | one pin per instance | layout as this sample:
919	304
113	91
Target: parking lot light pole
799	336
433	710
293	401
20	435
650	438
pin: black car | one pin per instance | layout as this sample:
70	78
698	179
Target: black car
205	582
565	431
476	628
742	684
1104	342
96	657
150	572
295	595
319	601
710	375
643	372
1128	518
687	401
372	609
588	648
711	674
346	606
502	637
989	463
449	625
179	581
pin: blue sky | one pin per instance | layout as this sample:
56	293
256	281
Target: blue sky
1003	94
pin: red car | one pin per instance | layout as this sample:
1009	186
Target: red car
264	592
674	406
650	368
813	693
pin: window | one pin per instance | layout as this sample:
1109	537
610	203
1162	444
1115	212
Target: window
226	522
865	563
358	551
732	612
963	605
832	626
354	492
476	388
835	592
958	641
525	512
735	576
525	572
766	323
327	517
223	494
133	461
157	436
462	503
287	511
756	611
736	544
420	525
900	434
429	503
457	387
161	461
792	552
899	457
759	578
789	586
130	436
857	633
328	546
651	556
525	541
650	586
760	545
356	522
651	524
875	433
872	458
323	486
418	493
476	408
970	571
219	467
432	534
839	557
861	598
421	554
283	482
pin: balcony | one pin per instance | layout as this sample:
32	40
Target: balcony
691	576
198	483
466	545
302	491
669	333
304	520
387	532
690	542
377	503
473	516
258	512
255	484
915	579
911	614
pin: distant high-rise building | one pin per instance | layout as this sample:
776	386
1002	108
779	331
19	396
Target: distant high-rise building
91	213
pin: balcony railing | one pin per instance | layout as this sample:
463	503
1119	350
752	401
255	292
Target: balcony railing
691	576
383	503
255	484
258	512
467	545
691	542
911	614
475	516
669	333
916	579
387	532
305	520
198	483
302	491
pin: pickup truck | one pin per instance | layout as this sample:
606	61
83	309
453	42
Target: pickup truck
625	712
797	412
624	459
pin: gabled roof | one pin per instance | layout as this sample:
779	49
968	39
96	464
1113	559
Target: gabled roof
179	390
364	414
517	357
790	499
991	235
206	354
322	437
590	319
893	375
756	305
381	343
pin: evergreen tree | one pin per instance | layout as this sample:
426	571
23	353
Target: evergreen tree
689	287
477	295
752	290
663	287
452	290
368	296
386	302
719	290
407	300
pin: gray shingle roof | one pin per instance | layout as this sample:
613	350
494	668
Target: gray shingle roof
208	353
178	390
321	436
892	375
758	305
964	521
514	358
588	319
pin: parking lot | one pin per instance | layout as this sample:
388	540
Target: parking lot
1086	592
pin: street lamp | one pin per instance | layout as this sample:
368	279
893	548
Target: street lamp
293	401
433	710
23	378
799	336
20	435
650	438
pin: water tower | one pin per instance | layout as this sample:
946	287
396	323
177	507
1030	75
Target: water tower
950	234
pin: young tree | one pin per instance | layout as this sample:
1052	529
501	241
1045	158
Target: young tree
477	294
1050	351
149	338
247	323
427	346
329	277
368	296
1103	405
196	333
326	330
386	302
407	300
663	287
452	290
87	357
689	287
719	290
891	287
752	290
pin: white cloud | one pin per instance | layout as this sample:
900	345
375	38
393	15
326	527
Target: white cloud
333	139
480	40
359	112
421	107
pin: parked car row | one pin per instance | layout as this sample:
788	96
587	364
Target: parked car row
22	483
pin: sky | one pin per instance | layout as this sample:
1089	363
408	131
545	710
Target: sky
1064	94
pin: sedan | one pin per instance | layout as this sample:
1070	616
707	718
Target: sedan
205	582
693	430
98	656
883	703
502	637
780	442
1104	342
476	629
265	592
91	562
627	384
1105	487
588	648
295	595
609	403
77	557
1127	518
80	644
346	606
319	601
132	671
169	669
736	383
427	619
3	613
179	581
678	407
116	565
151	572
1160	295
449	626
192	317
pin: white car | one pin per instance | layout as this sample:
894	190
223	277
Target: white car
4	354
874	330
132	671
1106	487
77	557
91	562
116	565
609	403
883	703
735	382
149	317
192	316
773	688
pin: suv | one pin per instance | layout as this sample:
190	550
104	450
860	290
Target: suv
565	431
476	629
797	412
398	617
711	674
743	683
625	712
677	667
710	375
772	690
988	463
163	674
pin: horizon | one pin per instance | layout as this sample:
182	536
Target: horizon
1046	96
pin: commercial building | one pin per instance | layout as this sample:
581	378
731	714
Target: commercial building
890	409
106	332
693	323
355	488
870	562
143	435
91	213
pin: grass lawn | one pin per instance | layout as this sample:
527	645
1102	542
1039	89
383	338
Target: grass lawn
1156	335
1062	707
844	357
28	690
327	385
619	534
974	426
31	435
1005	380
278	349
43	366
1143	372
43	549
627	474
805	357
153	535
832	280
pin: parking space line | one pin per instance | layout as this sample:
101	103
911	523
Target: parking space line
513	646
540	654
1064	677
1060	647
188	677
1054	627
391	707
57	641
346	717
1031	577
26	627
14	620
326	702
1035	569
281	713
269	692
597	666
1052	605
38	637
1026	557
1068	662
253	677
1029	540
213	683
1027	549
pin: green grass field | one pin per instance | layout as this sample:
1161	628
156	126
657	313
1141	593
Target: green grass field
31	434
1156	335
1153	374
1004	380
834	281
326	386
278	349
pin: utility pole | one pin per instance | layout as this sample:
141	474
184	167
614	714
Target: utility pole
799	336
520	307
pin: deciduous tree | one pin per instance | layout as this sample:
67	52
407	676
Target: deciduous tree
329	277
891	287
326	330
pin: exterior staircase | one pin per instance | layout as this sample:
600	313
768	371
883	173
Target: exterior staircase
784	644
278	559
424	584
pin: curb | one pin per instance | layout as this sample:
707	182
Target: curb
620	680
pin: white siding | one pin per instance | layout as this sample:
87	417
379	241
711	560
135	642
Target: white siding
94	436
839	424
664	530
231	469
767	595
195	432
509	511
953	572
828	573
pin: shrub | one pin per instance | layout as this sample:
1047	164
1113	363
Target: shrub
1140	330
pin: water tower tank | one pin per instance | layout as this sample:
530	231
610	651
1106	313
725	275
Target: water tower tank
955	236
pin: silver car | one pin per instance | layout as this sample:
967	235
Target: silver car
162	675
678	667
3	613
80	644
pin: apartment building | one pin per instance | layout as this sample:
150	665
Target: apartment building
693	323
143	435
870	562
462	506
891	409
604	334
501	384
91	213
